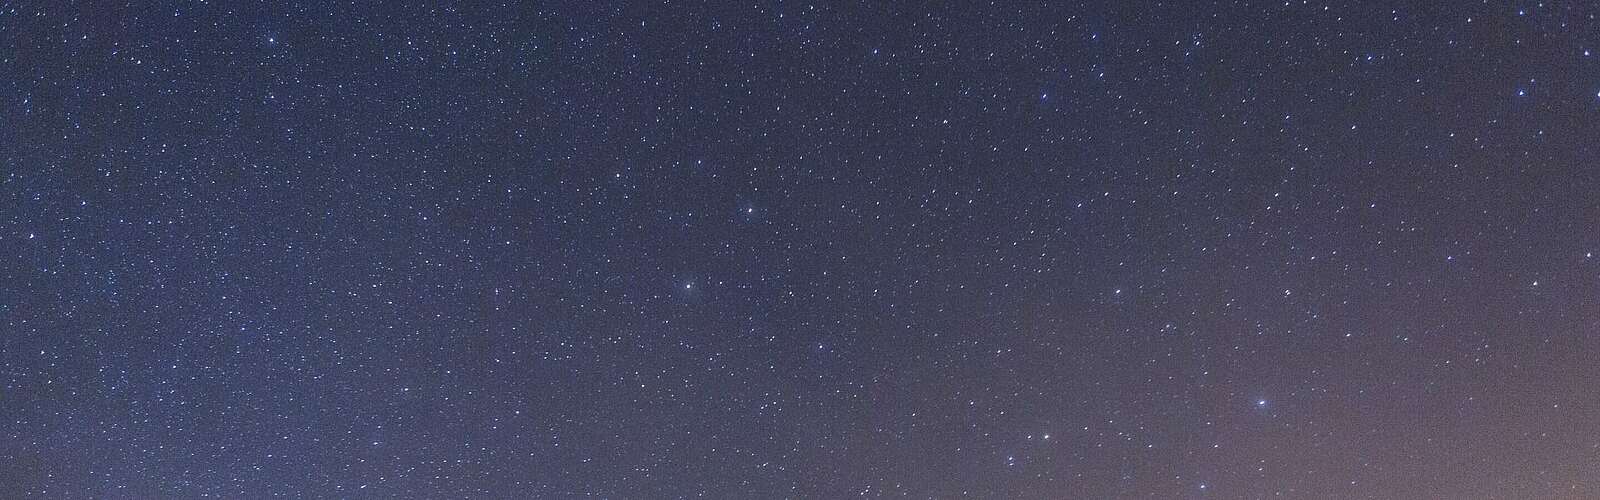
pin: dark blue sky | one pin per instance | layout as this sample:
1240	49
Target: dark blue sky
799	250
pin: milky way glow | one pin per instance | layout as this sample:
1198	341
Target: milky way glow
809	250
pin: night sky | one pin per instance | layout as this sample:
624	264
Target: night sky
1171	250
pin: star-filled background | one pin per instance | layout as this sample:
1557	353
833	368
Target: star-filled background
1172	250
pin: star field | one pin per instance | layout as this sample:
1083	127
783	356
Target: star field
1169	250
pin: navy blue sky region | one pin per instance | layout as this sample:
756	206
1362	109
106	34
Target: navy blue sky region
810	250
